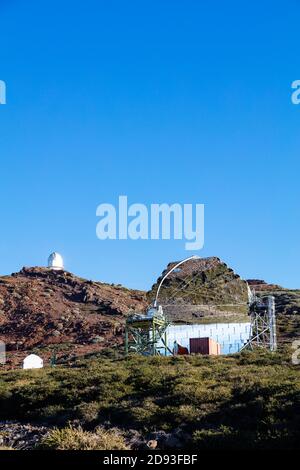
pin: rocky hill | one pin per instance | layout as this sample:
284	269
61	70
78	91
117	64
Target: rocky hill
287	303
200	289
45	310
287	300
42	307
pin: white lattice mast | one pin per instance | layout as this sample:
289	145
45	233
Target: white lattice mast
263	324
272	323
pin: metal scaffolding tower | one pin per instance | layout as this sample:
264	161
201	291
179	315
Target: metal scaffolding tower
263	324
146	334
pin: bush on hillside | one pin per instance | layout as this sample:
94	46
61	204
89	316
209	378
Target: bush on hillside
75	438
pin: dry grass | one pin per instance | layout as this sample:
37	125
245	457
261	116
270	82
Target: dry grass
75	438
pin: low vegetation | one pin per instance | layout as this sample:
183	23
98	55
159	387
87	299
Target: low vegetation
75	438
248	400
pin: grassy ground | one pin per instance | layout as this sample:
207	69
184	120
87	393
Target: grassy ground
249	400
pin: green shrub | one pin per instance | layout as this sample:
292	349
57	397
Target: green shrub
88	412
254	394
72	438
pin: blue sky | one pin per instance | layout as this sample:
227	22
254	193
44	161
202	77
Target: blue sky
163	101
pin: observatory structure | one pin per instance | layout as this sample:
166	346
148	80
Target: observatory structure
56	262
263	324
149	333
146	333
33	362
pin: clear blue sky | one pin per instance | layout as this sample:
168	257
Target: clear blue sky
163	101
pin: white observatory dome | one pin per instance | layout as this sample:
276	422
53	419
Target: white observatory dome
33	362
55	261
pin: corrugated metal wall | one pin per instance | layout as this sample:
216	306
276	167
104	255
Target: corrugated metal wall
231	336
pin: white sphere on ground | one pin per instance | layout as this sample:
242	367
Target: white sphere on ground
55	261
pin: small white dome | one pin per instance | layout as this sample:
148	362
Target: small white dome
55	261
33	362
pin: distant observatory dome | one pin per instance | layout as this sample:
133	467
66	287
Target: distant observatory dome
33	362
55	261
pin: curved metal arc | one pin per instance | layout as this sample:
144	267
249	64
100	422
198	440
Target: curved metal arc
169	272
